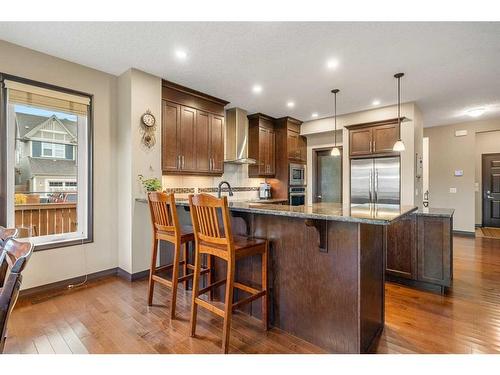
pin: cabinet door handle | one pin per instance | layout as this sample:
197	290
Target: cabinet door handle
178	162
210	164
182	161
373	146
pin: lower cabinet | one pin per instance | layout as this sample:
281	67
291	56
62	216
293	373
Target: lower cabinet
419	251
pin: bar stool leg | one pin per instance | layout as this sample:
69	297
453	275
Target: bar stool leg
209	276
175	278
196	288
228	308
184	266
264	287
154	253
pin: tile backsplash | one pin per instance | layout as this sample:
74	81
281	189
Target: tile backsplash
237	175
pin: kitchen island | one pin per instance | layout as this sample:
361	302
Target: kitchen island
326	268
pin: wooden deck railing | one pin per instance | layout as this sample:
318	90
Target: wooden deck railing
45	218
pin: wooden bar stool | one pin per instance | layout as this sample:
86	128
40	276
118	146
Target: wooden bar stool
166	227
216	239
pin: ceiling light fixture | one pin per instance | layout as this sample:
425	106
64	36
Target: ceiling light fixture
376	102
181	54
332	64
335	150
257	89
399	145
475	112
314	115
290	104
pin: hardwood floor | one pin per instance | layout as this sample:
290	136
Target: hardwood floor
112	316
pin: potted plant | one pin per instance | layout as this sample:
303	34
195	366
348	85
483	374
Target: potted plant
150	184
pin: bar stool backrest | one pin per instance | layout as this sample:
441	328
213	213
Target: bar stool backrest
164	213
207	227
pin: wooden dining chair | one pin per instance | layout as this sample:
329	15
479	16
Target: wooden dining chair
15	255
6	234
166	227
215	238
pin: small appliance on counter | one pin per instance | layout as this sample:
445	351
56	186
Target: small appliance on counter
265	191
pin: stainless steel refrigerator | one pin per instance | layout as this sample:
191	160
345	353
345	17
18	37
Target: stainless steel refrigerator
375	180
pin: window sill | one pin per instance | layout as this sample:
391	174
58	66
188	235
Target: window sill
59	244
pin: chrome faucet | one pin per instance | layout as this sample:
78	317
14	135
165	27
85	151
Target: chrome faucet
219	189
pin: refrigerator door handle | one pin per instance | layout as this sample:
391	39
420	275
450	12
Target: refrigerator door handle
376	185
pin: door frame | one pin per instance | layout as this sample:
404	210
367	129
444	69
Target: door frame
315	170
483	176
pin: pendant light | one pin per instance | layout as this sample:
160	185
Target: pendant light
399	145
335	150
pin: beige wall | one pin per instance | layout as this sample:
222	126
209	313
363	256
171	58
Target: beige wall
59	264
448	153
137	92
319	134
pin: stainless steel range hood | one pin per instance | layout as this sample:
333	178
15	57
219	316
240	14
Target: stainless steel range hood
236	145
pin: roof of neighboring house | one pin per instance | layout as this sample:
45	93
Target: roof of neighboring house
51	167
26	123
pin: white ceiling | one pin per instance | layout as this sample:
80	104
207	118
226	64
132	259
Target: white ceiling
449	67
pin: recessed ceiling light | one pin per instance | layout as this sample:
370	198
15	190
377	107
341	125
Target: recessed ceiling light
332	64
314	115
475	112
257	89
181	54
376	102
290	104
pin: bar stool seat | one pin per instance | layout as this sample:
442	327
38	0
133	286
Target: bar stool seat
186	233
243	246
215	239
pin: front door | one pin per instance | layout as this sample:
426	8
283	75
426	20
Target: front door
328	184
491	190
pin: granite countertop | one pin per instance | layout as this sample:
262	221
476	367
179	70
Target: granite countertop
364	213
436	212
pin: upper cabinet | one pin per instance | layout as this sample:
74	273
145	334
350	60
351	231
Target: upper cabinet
261	145
192	132
373	139
295	145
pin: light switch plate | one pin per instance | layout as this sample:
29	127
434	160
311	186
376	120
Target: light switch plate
460	133
453	190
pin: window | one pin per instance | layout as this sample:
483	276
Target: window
53	150
47	162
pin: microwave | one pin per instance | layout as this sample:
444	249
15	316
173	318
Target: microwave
297	174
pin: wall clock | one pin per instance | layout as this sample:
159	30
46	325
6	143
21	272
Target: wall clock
148	124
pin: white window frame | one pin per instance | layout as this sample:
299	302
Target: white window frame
82	161
54	148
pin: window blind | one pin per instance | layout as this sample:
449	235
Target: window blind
22	93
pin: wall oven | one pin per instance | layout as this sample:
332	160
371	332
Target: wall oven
297	196
297	174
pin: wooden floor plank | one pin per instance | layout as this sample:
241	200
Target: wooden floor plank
112	316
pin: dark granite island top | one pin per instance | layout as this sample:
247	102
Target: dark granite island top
378	214
326	268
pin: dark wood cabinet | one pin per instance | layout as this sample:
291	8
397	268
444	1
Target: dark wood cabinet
435	250
171	114
217	143
373	139
419	251
360	142
401	254
261	146
192	132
